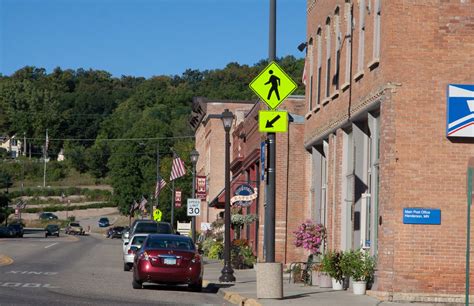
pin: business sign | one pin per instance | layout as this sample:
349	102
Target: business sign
272	121
244	195
201	187
273	85
194	207
262	160
177	198
460	111
421	216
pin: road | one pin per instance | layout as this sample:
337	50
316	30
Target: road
82	270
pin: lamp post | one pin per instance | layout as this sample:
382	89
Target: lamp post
194	159
227	275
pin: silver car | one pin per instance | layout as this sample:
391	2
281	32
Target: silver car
130	248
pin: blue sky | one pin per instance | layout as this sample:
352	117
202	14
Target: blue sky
144	37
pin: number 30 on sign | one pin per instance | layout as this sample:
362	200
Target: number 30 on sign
194	207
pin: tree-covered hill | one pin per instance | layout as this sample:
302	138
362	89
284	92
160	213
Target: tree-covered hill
86	112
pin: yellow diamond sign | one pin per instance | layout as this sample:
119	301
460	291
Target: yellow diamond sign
157	215
273	121
273	85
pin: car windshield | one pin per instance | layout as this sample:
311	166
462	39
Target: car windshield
52	227
104	219
138	240
75	224
146	228
164	228
170	243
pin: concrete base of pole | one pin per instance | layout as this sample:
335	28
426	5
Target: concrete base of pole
269	280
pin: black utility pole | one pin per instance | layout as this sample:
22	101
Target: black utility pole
158	179
194	158
271	140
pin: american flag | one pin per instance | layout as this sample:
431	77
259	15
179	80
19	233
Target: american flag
159	185
143	203
133	207
178	169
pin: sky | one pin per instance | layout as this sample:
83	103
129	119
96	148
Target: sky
144	37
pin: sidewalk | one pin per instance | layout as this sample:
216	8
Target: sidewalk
244	291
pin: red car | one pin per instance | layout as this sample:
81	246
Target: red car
168	259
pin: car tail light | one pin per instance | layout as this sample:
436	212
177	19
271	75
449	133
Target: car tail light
144	256
130	251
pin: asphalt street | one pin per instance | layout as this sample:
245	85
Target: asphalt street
81	270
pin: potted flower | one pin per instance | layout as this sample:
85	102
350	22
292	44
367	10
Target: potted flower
362	270
331	264
311	237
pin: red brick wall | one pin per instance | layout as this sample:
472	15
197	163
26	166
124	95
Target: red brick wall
425	46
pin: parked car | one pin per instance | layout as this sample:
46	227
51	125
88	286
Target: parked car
104	222
6	232
17	229
51	230
150	227
115	232
74	228
48	216
168	259
130	248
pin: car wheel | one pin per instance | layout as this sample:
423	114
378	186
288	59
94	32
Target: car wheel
197	287
126	267
136	284
45	235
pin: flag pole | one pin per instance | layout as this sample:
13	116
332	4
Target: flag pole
172	207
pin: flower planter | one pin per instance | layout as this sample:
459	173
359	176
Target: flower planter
325	281
336	285
359	287
315	278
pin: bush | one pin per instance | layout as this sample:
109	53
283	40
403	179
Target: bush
359	265
54	208
331	264
216	251
241	254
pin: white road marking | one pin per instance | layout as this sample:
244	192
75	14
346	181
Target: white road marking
27	285
50	245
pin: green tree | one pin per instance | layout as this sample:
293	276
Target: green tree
6	180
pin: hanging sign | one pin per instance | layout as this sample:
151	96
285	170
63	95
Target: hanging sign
177	198
201	187
244	195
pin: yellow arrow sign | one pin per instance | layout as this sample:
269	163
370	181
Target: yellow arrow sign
273	85
157	215
273	121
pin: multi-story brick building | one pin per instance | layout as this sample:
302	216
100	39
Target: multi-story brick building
375	126
210	143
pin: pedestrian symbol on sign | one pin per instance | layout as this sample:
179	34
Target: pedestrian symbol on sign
273	85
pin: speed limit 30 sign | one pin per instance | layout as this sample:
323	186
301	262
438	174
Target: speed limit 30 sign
194	207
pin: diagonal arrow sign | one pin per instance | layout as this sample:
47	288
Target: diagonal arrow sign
270	123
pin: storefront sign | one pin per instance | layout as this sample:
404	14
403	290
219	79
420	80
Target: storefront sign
177	198
460	111
244	195
421	216
201	187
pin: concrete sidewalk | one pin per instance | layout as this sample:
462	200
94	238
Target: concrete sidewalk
244	291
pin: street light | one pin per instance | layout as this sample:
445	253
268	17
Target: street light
194	159
227	275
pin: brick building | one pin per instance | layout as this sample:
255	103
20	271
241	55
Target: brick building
375	127
210	139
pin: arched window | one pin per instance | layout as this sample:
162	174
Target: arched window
338	41
348	42
319	42
360	60
328	57
377	15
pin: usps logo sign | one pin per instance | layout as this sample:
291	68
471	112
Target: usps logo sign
460	111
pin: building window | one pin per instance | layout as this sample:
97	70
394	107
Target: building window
348	42
360	60
319	182
311	60
328	57
377	16
319	72
373	183
347	190
337	55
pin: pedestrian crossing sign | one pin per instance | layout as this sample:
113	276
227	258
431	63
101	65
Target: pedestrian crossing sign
157	215
273	85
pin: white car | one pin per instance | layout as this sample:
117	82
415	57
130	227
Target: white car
130	248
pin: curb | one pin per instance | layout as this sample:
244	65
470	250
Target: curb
5	260
237	298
